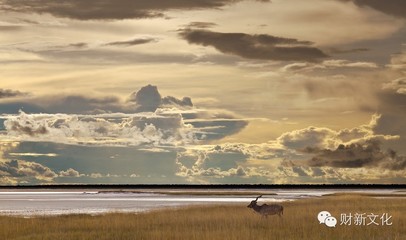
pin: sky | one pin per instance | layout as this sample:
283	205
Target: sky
202	92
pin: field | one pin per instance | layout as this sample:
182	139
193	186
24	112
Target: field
219	222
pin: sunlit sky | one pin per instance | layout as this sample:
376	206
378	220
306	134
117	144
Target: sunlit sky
214	91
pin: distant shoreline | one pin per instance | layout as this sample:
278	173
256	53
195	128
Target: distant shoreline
206	186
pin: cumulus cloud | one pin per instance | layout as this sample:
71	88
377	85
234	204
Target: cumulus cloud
70	173
148	99
326	138
260	46
144	112
288	156
398	61
107	9
311	136
154	129
398	85
171	101
133	42
18	170
237	161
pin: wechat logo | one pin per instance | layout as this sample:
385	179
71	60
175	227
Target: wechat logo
326	218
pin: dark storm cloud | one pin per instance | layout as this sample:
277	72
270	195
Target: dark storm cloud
260	46
8	93
148	99
358	155
133	42
392	7
109	9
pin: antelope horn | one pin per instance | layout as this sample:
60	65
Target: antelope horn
258	197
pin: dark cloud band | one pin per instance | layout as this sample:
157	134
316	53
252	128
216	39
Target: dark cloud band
108	9
137	41
261	46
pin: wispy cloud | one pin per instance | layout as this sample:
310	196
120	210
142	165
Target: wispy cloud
132	42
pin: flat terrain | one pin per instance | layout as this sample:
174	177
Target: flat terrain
220	222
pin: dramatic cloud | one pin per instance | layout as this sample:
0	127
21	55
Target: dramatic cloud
148	99
107	9
233	161
261	46
325	138
8	93
13	171
133	42
358	155
392	7
145	118
311	136
145	129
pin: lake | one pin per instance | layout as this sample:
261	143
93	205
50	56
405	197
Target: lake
54	202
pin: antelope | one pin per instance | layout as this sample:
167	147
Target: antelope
266	209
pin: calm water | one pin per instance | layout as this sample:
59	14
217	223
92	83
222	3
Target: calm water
26	203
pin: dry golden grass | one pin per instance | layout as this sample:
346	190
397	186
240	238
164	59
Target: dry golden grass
217	222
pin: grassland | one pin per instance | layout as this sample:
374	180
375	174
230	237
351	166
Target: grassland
218	222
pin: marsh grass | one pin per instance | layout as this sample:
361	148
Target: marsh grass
217	222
